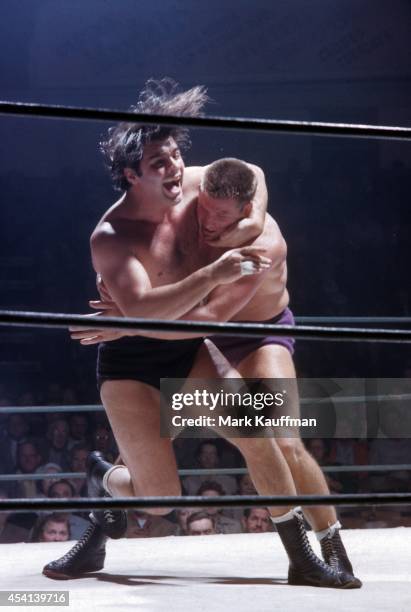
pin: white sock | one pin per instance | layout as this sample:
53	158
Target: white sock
107	476
328	532
287	516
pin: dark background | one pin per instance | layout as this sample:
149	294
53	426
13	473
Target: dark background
342	204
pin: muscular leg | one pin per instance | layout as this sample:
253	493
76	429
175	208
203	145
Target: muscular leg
271	473
268	469
274	361
133	409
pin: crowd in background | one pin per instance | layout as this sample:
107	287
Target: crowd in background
57	443
355	228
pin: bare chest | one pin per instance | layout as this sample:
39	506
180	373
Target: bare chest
170	255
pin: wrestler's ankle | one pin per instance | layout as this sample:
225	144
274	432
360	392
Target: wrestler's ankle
113	480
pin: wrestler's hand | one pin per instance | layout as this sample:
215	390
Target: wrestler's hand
239	233
109	307
234	264
102	289
95	335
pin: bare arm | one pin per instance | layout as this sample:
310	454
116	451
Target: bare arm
130	288
223	303
129	285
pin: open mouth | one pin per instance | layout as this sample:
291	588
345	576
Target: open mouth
173	188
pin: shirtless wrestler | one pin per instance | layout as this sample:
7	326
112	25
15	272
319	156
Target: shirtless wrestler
145	251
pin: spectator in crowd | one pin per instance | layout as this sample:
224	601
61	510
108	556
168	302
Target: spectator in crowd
79	429
208	458
143	525
78	458
201	523
318	448
62	489
10	533
349	451
389	451
44	485
376	517
29	458
256	520
222	523
182	515
17	430
51	528
245	487
58	437
103	441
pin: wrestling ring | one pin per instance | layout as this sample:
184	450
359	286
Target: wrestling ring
211	573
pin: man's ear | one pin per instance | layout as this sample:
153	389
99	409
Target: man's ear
131	175
247	209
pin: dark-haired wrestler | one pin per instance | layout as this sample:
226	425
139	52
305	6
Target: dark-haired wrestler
145	250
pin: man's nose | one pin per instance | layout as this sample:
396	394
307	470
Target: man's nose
210	224
174	164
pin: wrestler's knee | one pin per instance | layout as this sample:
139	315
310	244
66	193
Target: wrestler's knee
254	447
293	449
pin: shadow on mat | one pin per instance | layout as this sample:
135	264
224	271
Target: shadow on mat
180	581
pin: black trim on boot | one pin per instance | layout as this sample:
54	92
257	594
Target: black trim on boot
112	522
305	567
335	555
87	555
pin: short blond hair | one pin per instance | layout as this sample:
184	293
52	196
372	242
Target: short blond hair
230	178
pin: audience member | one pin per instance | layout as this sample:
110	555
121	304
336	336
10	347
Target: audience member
79	429
143	525
222	523
77	459
17	430
200	523
9	532
102	440
29	458
51	528
44	485
256	520
63	489
318	448
182	515
208	458
245	487
389	451
58	436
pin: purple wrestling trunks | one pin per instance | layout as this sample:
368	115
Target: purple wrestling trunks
235	348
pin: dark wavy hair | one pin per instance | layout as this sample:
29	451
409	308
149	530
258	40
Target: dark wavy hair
125	142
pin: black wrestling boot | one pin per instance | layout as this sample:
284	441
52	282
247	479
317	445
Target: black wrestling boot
305	567
335	555
112	522
86	556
